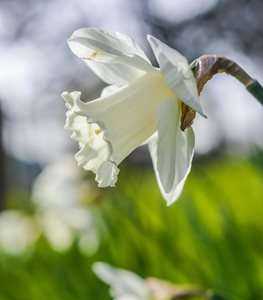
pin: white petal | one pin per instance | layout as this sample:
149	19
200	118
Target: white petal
124	284
113	56
128	117
92	154
94	150
109	90
177	73
107	174
171	151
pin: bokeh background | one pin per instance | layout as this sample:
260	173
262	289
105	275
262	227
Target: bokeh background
54	221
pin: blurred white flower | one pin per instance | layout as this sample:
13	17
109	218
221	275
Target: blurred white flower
58	193
18	232
124	285
141	105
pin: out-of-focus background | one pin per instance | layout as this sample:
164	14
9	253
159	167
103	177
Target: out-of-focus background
54	221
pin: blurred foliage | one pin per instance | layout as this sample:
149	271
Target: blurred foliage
212	237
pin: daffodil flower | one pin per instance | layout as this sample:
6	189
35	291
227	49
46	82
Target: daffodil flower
142	104
124	285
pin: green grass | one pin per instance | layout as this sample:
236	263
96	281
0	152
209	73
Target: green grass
211	237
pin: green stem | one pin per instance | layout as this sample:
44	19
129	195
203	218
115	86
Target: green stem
256	90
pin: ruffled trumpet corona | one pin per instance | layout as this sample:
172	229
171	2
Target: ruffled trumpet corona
141	105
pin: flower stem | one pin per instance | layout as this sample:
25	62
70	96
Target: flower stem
256	90
205	67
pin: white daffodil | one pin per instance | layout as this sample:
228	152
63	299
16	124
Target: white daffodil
58	193
124	285
141	105
18	232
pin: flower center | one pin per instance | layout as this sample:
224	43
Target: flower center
98	131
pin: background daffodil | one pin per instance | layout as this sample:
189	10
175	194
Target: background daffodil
142	104
126	285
